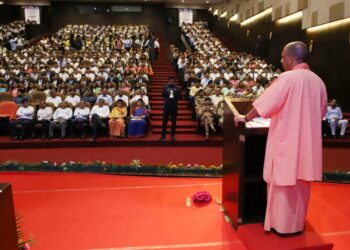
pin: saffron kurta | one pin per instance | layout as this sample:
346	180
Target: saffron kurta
296	103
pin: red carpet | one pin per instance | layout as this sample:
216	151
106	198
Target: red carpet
77	211
88	211
151	155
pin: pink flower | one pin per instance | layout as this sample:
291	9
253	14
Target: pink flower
201	197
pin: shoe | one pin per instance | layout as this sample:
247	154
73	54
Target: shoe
162	138
342	137
20	138
173	138
32	137
83	136
92	139
14	138
43	137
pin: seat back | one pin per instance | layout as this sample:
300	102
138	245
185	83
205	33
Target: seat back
8	109
37	96
5	97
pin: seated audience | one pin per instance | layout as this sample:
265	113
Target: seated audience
206	114
137	126
334	118
98	117
73	98
24	118
105	96
43	117
61	117
116	121
80	120
54	98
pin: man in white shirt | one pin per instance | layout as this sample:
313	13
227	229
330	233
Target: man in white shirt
44	115
60	119
80	121
106	97
73	98
25	119
142	96
217	97
53	98
258	89
121	96
98	117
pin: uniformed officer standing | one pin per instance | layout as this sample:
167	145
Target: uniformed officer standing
171	94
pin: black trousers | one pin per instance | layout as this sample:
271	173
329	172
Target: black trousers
170	113
80	125
26	126
97	122
45	126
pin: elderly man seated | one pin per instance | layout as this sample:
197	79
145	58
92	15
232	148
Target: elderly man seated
334	118
61	118
98	117
24	119
80	121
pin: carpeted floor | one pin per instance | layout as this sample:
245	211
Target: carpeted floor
89	211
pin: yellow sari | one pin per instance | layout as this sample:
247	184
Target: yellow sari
116	122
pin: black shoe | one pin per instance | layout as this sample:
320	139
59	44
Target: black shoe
173	138
162	138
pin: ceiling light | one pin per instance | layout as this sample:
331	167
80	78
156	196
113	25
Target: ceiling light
257	16
290	18
234	18
182	1
207	1
223	14
216	12
330	25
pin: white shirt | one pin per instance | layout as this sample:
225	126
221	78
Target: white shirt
144	98
56	101
107	98
73	100
25	113
81	113
216	99
62	114
44	114
102	112
125	98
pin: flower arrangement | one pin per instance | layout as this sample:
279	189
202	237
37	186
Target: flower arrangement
201	197
135	167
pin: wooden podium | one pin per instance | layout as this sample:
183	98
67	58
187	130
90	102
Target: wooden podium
243	188
8	232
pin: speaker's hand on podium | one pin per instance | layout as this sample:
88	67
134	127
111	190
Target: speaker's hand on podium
239	118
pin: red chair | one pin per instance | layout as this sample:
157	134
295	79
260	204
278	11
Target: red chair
8	109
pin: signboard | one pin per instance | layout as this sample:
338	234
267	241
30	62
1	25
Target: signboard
32	14
185	16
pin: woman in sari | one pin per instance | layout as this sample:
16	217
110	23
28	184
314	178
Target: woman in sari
138	124
117	120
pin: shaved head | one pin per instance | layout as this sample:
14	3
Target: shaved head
298	50
293	53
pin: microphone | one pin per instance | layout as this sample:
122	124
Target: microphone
249	100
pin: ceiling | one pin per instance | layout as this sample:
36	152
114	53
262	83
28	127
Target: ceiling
166	2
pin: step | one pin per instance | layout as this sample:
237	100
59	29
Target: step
178	118
160	106
178	130
180	112
182	124
162	102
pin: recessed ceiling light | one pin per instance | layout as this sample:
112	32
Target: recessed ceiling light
183	1
207	1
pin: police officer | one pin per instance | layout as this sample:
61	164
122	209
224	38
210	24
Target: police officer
171	94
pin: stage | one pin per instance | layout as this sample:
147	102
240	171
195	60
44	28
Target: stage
90	211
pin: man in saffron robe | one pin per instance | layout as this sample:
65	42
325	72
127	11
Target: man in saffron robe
296	103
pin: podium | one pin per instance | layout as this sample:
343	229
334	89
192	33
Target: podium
8	232
243	188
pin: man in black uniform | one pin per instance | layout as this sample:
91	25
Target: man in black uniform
171	94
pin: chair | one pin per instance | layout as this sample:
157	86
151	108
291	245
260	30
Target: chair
8	109
5	97
36	97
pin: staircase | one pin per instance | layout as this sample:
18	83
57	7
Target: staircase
163	68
